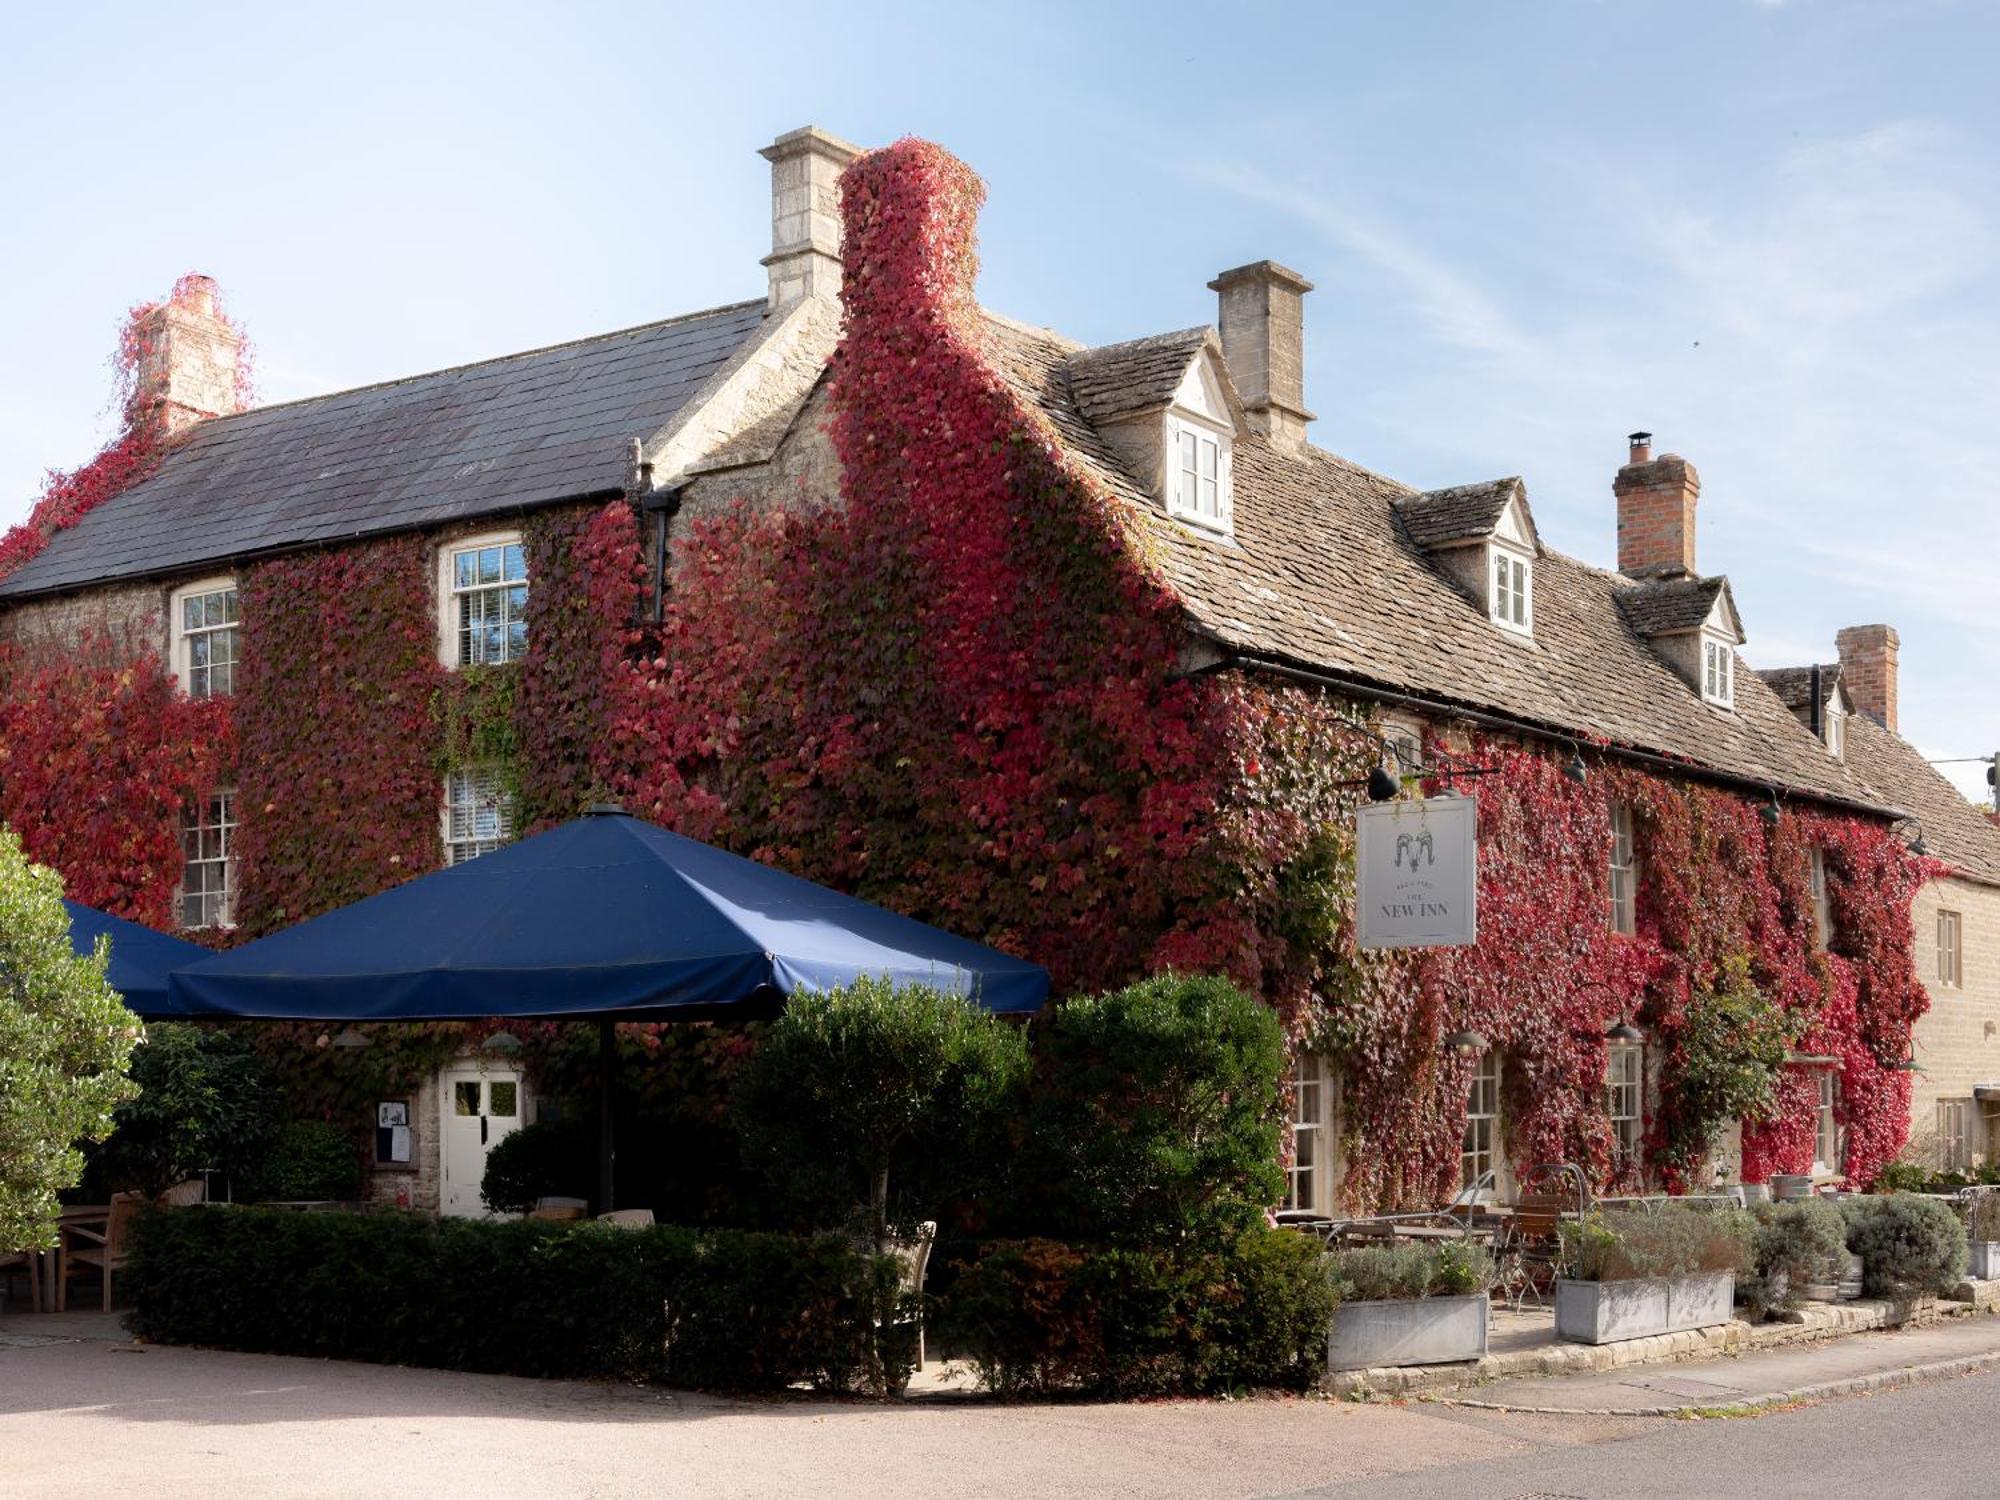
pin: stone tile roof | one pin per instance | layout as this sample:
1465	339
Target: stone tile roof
1438	518
1793	685
1668	605
481	439
1319	574
1121	380
1954	830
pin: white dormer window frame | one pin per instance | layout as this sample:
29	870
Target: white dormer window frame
1510	589
1834	729
1718	670
207	636
1199	477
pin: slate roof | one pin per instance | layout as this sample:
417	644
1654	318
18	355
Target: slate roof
1122	380
1793	685
1319	574
1670	605
477	440
1438	518
1954	830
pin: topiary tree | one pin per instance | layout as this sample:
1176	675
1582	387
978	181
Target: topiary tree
1155	1114
856	1088
65	1039
1726	1062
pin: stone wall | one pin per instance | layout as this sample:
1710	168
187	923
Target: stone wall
1958	1042
132	616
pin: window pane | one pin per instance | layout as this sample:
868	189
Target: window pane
516	561
465	1097
464	568
501	1098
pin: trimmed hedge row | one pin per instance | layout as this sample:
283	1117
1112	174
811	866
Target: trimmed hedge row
718	1310
1042	1317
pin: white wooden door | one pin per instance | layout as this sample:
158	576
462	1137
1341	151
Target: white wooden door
482	1107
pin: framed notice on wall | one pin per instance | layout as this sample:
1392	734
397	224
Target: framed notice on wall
392	1133
1416	873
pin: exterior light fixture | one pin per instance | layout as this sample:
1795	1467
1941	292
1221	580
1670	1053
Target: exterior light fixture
1916	846
1466	1043
502	1041
1624	1031
1909	1065
350	1038
1576	770
1770	812
1382	786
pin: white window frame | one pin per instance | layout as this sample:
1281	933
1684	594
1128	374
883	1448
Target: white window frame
218	909
1827	1145
1951	948
1624	873
182	640
1836	733
1954	1127
484	793
1510	589
1822	903
1718	670
1625	1099
1309	1177
1194	494
1479	1151
449	594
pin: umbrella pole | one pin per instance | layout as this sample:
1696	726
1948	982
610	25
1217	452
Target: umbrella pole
607	1060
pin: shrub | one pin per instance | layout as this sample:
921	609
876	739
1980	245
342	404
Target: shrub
726	1310
1909	1245
1040	1317
857	1088
1373	1273
1797	1245
550	1158
1727	1060
65	1038
1154	1116
308	1159
205	1104
1673	1240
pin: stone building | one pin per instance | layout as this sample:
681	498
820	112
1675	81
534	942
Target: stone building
1437	618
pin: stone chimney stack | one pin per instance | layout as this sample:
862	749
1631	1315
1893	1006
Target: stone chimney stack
188	356
1868	669
805	214
1656	501
1261	312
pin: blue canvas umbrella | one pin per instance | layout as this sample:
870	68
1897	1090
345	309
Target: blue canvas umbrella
604	917
140	958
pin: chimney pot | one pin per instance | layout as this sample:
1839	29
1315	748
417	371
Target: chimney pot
1656	504
1868	670
805	214
1261	314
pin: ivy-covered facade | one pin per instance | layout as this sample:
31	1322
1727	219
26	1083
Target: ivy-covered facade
1085	653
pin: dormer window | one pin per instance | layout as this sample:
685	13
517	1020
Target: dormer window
1198	466
1835	730
1718	662
1510	602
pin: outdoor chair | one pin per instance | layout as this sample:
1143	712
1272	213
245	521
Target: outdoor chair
628	1218
104	1252
1530	1250
914	1256
25	1260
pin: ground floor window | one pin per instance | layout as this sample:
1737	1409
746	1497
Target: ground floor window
1954	1149
478	814
1480	1154
208	832
1624	1101
1826	1127
1307	1182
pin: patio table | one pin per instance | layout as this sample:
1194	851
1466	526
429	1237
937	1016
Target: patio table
48	1263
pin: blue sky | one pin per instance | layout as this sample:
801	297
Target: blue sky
1765	231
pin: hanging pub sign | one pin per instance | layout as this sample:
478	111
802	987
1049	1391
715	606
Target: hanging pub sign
1416	873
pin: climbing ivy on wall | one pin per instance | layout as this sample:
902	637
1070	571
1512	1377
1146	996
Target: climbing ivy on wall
337	789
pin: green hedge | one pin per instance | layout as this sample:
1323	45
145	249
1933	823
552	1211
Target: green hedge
1040	1317
722	1310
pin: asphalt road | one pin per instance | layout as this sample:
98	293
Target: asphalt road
93	1419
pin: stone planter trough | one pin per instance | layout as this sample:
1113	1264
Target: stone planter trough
1609	1312
1407	1331
1985	1264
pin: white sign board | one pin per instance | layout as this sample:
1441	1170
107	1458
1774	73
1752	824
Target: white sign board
1416	873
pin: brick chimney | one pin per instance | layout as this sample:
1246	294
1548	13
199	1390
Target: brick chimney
1261	313
1868	669
805	214
1656	500
188	357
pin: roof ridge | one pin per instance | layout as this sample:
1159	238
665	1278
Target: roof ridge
474	364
